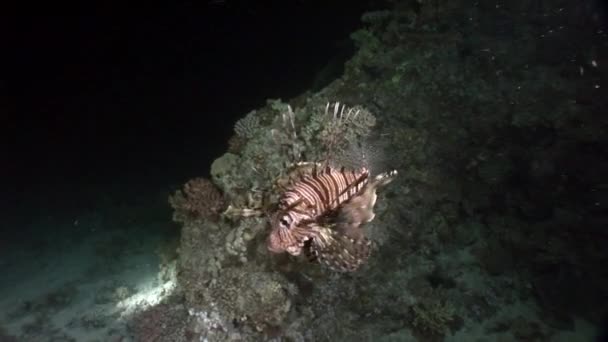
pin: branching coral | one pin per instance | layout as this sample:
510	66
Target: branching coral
434	316
200	199
248	126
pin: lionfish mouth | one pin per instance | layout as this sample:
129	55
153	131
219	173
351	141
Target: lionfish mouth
277	244
274	245
294	250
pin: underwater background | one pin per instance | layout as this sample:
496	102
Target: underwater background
147	153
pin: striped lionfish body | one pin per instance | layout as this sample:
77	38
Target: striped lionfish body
321	213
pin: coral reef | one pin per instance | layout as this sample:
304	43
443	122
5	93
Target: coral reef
493	232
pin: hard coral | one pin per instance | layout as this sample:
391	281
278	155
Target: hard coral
162	322
259	299
200	199
248	126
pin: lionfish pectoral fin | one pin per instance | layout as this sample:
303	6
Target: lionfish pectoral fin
360	209
352	231
356	212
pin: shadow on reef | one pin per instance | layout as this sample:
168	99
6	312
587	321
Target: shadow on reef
494	229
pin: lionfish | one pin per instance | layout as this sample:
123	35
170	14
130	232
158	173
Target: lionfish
322	213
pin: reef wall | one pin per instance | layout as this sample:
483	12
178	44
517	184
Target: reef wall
494	116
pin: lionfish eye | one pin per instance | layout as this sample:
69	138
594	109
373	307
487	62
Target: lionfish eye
284	222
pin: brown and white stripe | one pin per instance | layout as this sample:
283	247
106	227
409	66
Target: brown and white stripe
315	194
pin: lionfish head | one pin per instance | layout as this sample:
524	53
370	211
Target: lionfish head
286	235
